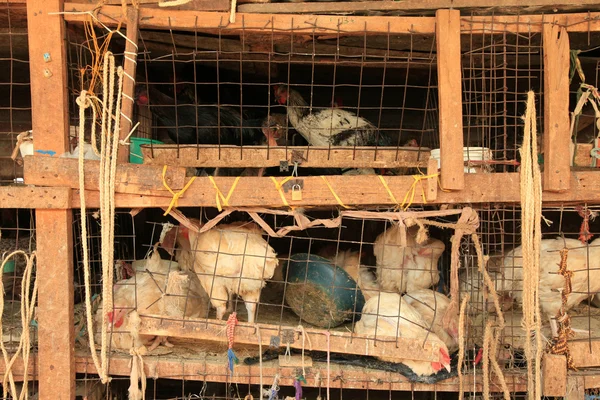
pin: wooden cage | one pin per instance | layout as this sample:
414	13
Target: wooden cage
462	74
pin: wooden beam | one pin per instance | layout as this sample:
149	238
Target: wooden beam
412	5
54	233
575	388
262	156
364	191
34	197
554	374
131	178
214	369
54	269
450	99
131	51
326	25
340	342
164	18
49	106
585	354
557	135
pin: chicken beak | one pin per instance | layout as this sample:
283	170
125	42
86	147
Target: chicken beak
448	367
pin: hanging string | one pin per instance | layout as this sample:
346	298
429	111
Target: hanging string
232	359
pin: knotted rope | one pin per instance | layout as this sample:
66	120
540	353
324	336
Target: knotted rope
531	236
560	345
232	359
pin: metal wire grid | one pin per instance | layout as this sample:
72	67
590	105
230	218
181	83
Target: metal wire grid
499	68
500	233
17	231
15	103
390	80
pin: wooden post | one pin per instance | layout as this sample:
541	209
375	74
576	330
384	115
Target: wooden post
48	68
557	135
447	33
554	373
131	52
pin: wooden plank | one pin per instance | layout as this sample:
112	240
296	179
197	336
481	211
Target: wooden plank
409	5
49	107
450	99
585	354
364	191
432	184
262	156
554	373
215	369
54	267
583	155
131	178
256	23
340	342
131	51
529	23
348	25
557	136
575	388
55	313
34	197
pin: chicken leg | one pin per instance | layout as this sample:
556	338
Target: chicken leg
251	301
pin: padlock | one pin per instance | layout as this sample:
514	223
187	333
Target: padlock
296	193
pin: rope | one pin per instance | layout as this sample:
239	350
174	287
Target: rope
389	192
137	373
304	337
232	359
177	195
328	335
333	192
279	185
219	196
461	344
531	197
584	231
27	310
232	13
560	345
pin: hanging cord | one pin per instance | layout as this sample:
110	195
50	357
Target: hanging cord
531	205
260	359
461	344
109	144
561	345
232	359
27	310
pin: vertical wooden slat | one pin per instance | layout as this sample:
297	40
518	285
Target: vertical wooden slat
557	135
447	34
56	356
48	70
131	52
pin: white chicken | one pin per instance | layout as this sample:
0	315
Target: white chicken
409	268
331	126
229	259
162	289
349	261
389	315
432	306
585	281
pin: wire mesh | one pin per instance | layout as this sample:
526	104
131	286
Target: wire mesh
17	233
15	97
218	90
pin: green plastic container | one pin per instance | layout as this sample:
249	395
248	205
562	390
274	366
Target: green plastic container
135	152
320	293
9	267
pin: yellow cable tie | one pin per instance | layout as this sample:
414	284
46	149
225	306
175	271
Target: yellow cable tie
385	185
406	202
219	197
333	192
177	195
279	185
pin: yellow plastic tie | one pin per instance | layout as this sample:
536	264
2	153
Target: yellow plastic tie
279	185
333	192
410	195
219	197
385	185
177	195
